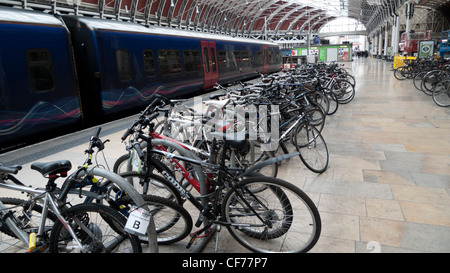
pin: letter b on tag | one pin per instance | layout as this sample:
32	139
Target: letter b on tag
137	222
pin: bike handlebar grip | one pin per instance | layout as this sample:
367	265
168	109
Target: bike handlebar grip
125	135
97	132
153	116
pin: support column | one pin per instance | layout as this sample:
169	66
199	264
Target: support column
395	35
374	44
409	16
380	44
386	37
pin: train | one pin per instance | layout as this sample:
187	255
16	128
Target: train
61	73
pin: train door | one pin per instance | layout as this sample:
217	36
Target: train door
265	59
210	66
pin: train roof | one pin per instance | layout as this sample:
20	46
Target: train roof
28	17
113	25
40	18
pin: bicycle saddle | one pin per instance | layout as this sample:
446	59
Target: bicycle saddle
237	140
52	168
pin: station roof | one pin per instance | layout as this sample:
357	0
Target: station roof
247	18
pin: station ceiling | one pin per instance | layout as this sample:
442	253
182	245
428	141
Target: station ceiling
248	18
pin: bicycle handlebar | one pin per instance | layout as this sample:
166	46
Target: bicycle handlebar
95	141
142	121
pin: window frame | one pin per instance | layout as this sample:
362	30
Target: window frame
47	64
197	64
161	64
124	74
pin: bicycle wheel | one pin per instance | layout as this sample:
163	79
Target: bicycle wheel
316	117
400	73
27	217
320	99
441	93
99	228
334	104
430	80
172	221
344	91
312	147
418	80
348	77
279	218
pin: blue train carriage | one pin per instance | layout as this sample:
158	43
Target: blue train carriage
38	88
121	64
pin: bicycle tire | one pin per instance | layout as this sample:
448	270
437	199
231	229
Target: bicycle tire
344	91
334	103
399	73
417	81
295	223
430	80
312	147
441	93
110	228
349	78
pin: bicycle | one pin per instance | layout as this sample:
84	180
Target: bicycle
87	228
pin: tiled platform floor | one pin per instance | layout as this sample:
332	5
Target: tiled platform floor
387	185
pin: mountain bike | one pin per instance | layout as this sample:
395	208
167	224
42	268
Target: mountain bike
55	226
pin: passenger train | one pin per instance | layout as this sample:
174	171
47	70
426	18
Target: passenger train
61	73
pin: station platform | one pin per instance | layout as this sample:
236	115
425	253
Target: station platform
387	185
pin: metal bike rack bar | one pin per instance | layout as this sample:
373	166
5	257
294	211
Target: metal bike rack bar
135	196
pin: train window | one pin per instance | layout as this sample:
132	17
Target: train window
245	58
223	59
259	58
192	60
149	63
123	64
169	61
206	55
213	59
237	58
40	68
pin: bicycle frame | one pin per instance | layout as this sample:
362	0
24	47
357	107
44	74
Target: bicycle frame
48	201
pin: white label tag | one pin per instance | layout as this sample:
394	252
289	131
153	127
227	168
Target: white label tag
137	222
135	162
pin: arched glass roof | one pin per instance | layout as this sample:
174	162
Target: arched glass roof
247	18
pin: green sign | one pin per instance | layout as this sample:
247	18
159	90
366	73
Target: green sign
323	54
426	49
